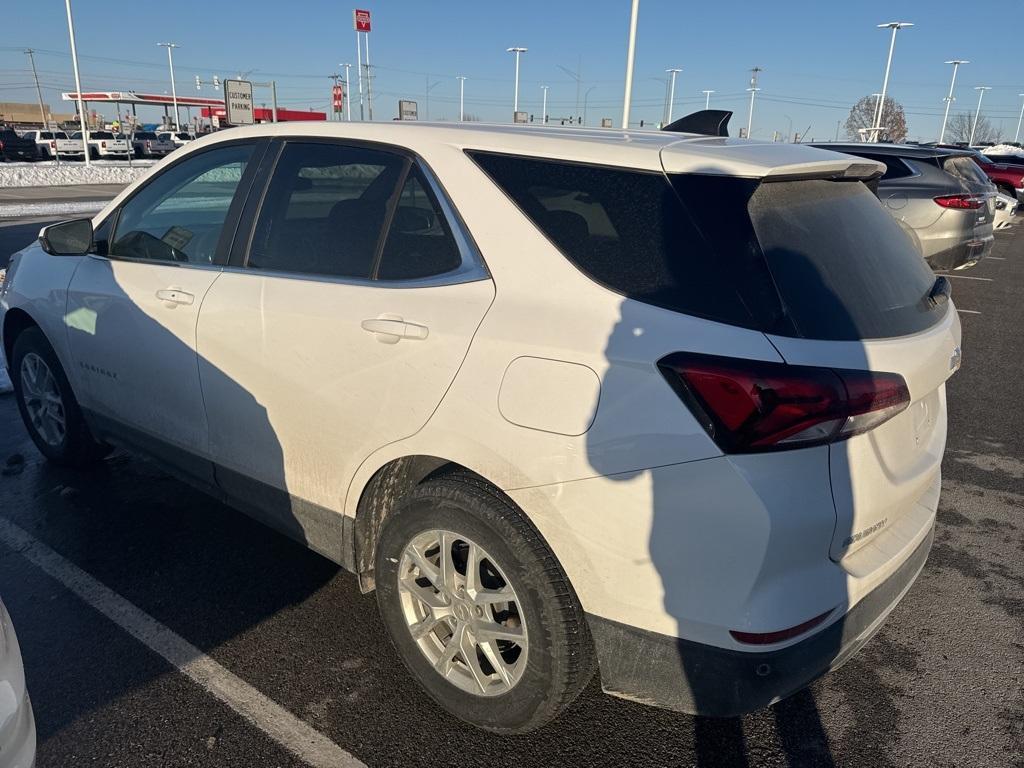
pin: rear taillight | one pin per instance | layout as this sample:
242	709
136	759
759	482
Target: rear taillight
1	146
960	202
767	638
751	405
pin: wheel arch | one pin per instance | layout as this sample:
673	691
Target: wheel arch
16	320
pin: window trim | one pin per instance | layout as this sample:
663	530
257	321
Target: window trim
471	269
231	220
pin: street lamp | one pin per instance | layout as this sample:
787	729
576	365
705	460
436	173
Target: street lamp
517	50
462	91
78	84
630	54
1016	136
586	96
753	90
174	92
348	100
671	93
544	106
895	26
950	99
981	94
430	87
707	99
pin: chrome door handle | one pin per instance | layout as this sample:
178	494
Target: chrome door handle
175	296
391	329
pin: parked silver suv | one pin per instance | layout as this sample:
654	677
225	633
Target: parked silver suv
940	196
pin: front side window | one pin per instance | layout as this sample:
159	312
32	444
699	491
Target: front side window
325	209
179	215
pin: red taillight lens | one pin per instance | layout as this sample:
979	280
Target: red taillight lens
767	638
751	405
960	202
53	144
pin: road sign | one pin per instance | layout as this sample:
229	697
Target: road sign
361	20
407	110
337	98
606	122
238	102
520	117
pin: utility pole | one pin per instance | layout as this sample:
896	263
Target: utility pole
347	94
334	89
951	98
981	94
517	50
78	85
174	92
359	74
707	99
39	95
753	90
895	26
369	78
671	94
462	95
630	54
544	107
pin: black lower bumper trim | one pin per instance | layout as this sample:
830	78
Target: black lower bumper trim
705	680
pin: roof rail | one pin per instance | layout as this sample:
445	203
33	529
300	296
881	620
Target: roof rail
708	122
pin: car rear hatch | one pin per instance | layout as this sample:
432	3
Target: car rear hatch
843	289
976	186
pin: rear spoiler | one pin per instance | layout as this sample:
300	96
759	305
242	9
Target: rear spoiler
707	122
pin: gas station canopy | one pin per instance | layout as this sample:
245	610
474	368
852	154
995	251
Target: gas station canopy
156	99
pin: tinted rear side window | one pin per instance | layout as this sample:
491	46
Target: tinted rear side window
626	230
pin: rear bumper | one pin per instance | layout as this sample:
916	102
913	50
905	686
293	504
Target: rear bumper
962	254
702	679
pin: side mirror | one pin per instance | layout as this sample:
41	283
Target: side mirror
67	238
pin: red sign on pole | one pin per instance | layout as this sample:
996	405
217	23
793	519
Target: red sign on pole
361	20
337	98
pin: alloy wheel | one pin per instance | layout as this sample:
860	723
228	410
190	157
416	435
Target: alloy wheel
43	400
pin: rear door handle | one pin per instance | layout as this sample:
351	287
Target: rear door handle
391	329
175	296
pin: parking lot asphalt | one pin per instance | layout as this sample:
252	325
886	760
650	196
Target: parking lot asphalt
941	685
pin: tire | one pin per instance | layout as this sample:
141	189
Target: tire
74	445
545	615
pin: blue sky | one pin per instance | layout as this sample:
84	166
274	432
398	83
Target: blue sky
818	58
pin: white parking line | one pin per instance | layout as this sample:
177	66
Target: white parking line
966	277
995	258
968	312
274	720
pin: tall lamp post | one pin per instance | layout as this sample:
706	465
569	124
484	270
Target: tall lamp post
174	92
1016	136
981	94
347	94
517	50
544	106
951	98
586	97
78	84
462	93
671	93
753	91
630	54
895	26
707	98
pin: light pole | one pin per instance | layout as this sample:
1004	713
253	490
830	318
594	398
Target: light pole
753	91
950	99
78	84
630	54
586	97
895	26
981	94
174	92
578	77
462	93
517	50
544	106
1016	136
707	99
347	94
671	93
430	87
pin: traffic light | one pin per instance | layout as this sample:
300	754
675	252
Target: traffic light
531	117
216	82
199	83
641	123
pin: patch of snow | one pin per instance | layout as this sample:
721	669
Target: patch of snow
1003	149
49	174
5	381
52	209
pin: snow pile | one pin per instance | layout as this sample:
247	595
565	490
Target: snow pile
53	175
1004	149
84	207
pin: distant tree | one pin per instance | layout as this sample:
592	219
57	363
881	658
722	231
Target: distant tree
958	129
862	117
471	118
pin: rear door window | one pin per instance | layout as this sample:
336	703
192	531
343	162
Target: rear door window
419	242
965	170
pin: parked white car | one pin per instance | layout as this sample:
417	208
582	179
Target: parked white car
180	139
55	144
17	723
1006	210
104	145
667	406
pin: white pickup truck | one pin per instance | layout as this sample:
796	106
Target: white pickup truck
103	144
149	144
51	144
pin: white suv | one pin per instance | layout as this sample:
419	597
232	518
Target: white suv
665	405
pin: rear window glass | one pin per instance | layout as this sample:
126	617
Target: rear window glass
101	135
145	135
965	169
810	258
895	168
